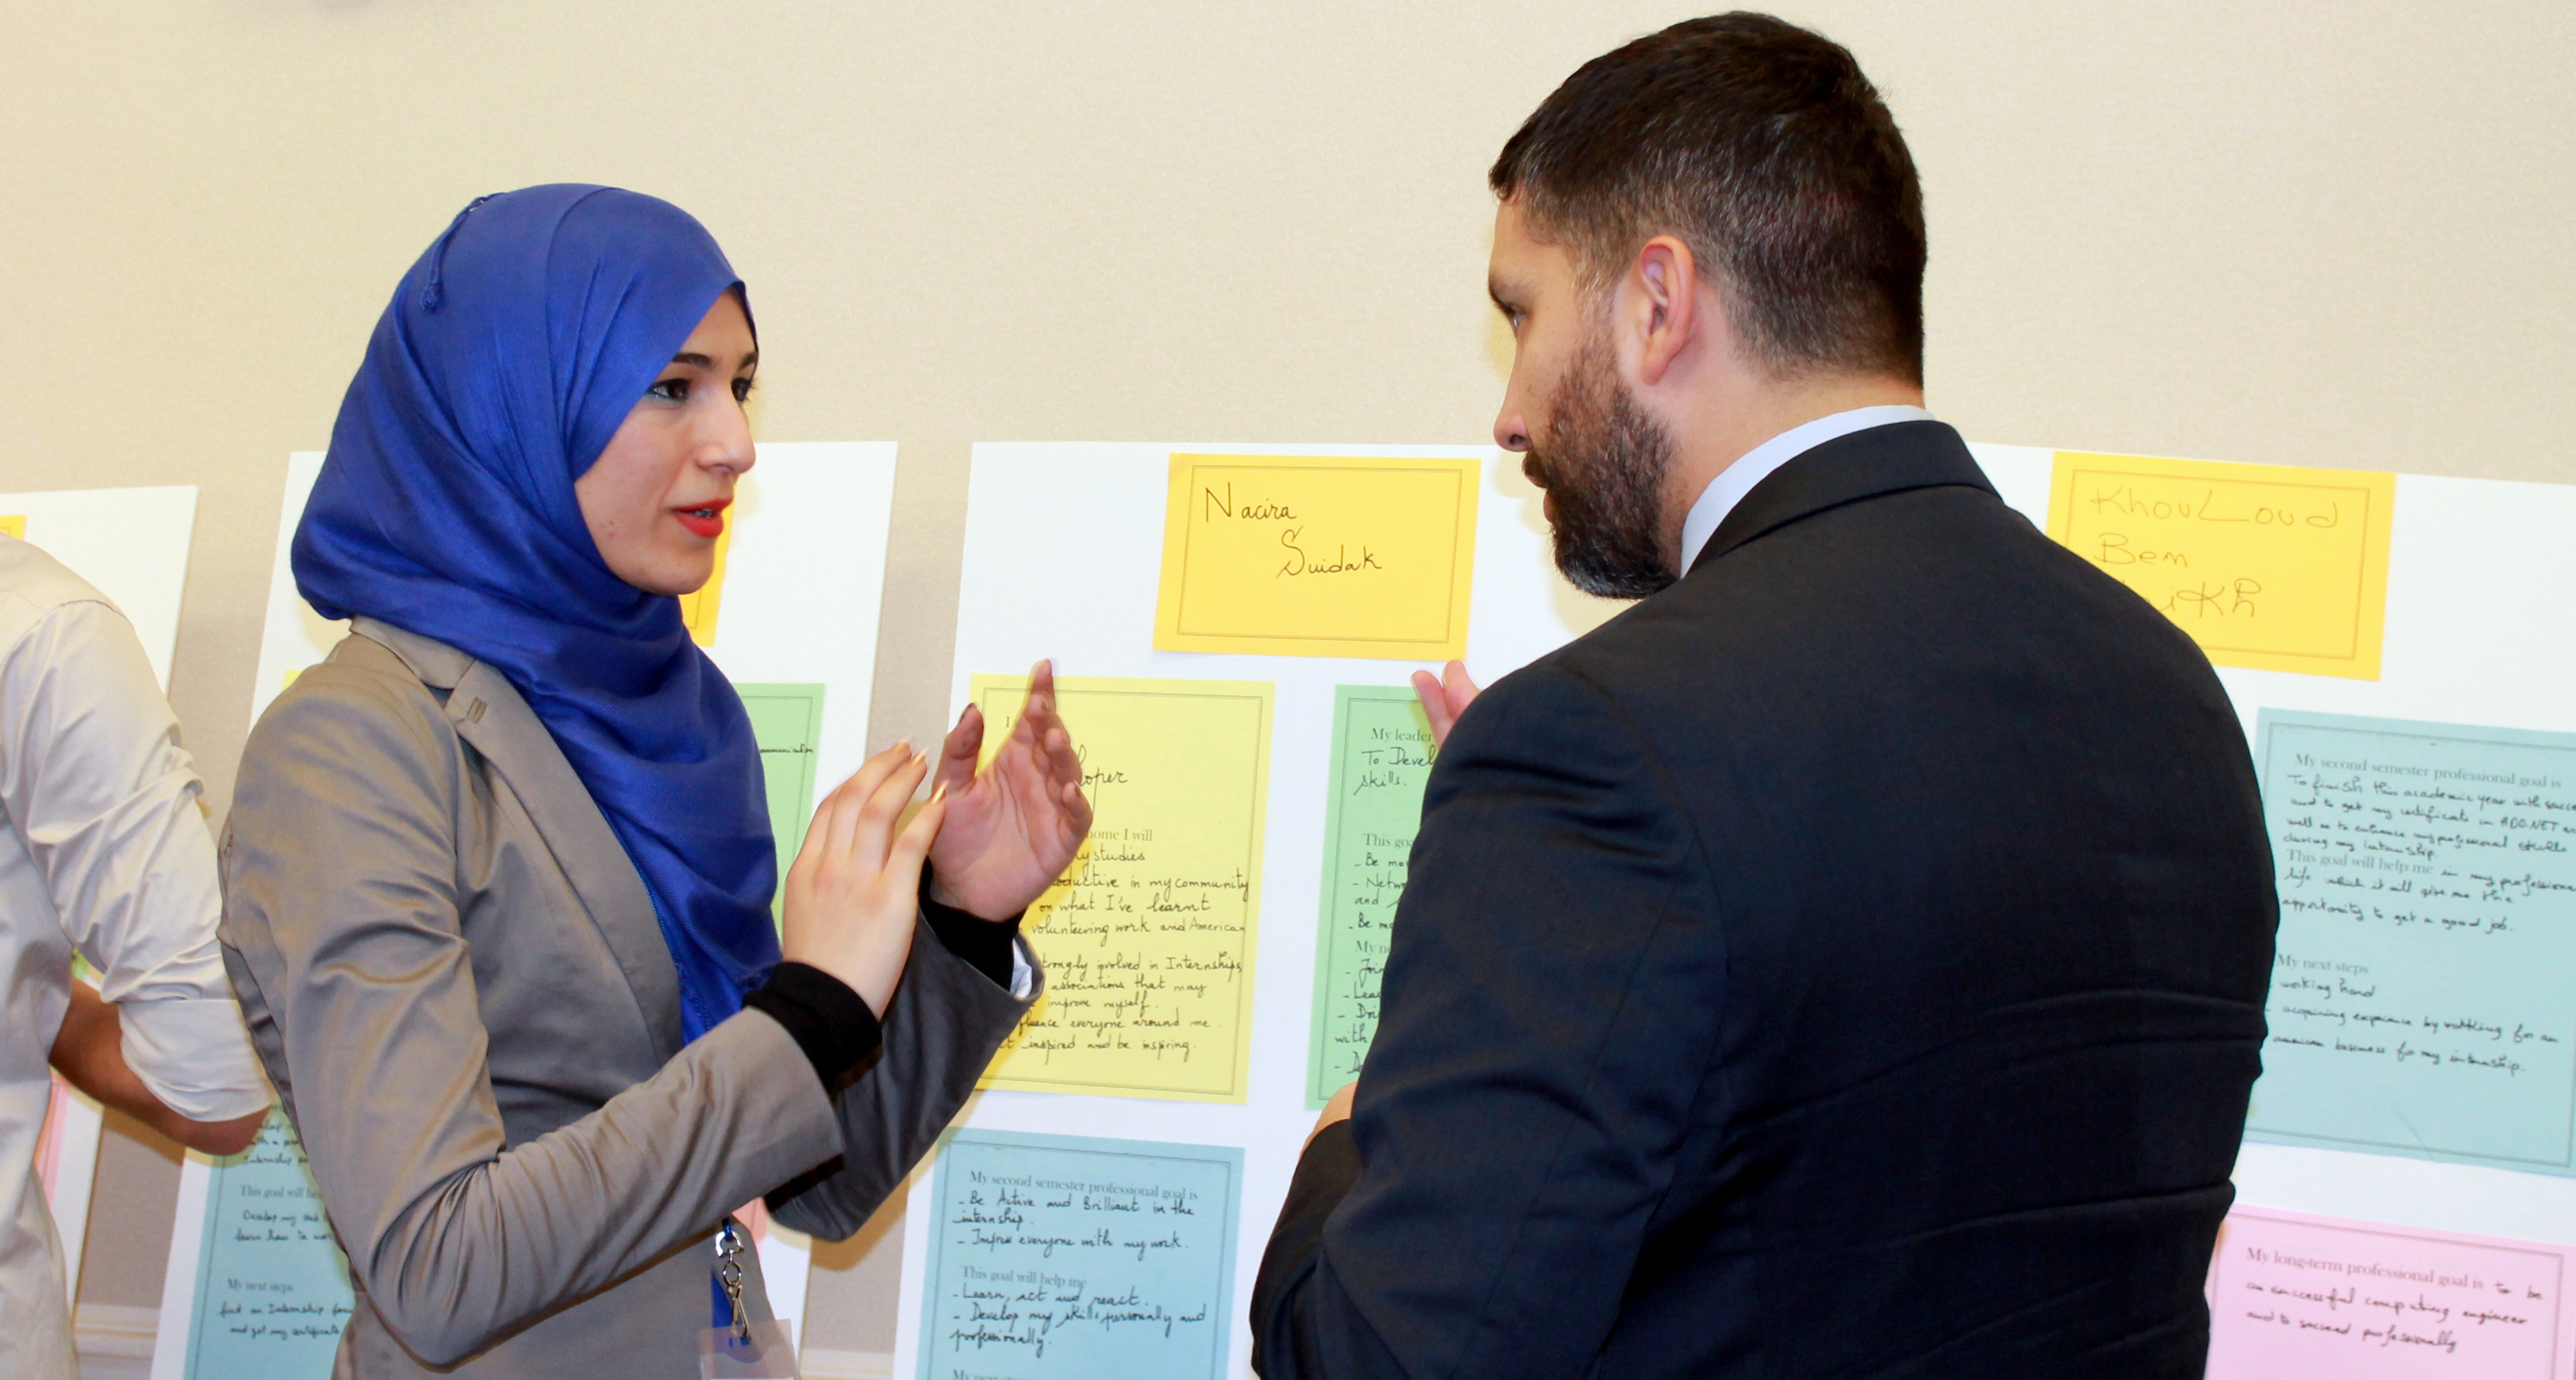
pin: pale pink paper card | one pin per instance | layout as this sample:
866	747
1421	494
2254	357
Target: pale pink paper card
49	1141
2293	1295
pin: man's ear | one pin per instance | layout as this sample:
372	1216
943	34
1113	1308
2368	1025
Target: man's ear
1666	281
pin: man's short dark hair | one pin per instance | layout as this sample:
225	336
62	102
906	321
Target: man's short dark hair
1762	147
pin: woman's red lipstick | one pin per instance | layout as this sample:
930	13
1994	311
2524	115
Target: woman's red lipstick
706	519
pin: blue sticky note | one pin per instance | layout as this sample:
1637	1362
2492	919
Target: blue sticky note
1071	1258
272	1287
2423	1001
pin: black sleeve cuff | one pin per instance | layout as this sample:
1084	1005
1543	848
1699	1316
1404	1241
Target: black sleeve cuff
984	944
1325	1173
828	1021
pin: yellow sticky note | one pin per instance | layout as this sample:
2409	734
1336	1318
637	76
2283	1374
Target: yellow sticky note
1148	938
698	609
1318	556
2272	567
15	524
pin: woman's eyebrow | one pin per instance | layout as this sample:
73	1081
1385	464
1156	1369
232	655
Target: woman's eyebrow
698	361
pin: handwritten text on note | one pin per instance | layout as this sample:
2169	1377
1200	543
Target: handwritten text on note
1148	938
1316	556
2424	995
1381	758
2295	1295
1063	1256
272	1289
2273	567
787	723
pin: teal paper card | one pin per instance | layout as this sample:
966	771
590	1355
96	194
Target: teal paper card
1070	1258
1381	758
2424	996
272	1289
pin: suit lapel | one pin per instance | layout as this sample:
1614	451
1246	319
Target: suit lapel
489	713
1865	464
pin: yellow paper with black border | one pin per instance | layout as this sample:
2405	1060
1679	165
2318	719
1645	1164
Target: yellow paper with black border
1148	939
2270	567
1292	555
699	607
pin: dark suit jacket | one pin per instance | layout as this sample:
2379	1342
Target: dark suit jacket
1848	962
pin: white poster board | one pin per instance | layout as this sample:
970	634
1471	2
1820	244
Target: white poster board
2479	632
801	585
132	545
1063	555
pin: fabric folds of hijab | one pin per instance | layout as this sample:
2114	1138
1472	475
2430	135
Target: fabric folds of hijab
509	356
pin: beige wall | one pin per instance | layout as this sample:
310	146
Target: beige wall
2299	233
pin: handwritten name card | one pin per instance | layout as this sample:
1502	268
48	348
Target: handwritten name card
272	1289
2296	1295
1068	1258
2272	567
1148	938
1313	556
1381	758
2424	994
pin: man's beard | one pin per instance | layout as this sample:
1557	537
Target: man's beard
1604	464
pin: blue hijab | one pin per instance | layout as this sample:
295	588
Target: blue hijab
509	356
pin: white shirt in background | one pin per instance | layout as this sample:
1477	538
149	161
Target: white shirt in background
102	848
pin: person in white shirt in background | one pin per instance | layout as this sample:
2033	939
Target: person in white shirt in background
106	851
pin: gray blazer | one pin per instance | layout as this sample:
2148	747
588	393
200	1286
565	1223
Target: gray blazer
454	976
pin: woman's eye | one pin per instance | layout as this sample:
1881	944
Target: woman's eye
669	390
742	390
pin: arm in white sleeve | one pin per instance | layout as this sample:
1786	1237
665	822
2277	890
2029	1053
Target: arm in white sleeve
93	777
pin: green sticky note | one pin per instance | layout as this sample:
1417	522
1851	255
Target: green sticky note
1381	758
787	721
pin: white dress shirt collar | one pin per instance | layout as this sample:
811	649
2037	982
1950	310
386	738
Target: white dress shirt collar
1736	480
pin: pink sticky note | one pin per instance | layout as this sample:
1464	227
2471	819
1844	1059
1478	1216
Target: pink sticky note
2291	1295
49	1141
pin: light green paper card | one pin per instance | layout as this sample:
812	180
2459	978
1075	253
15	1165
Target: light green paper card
1381	758
787	722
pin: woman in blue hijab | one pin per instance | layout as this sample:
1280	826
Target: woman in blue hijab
499	875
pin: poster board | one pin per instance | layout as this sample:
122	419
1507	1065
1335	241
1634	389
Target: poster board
2476	636
1064	557
794	626
2447	627
132	546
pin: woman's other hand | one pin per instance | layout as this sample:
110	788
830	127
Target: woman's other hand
856	885
1014	826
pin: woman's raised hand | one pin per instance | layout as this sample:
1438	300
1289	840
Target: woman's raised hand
855	886
1013	827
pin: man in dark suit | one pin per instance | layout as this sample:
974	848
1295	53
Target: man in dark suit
1850	960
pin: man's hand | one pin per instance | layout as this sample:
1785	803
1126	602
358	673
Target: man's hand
89	1053
1444	697
1013	827
1337	1109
